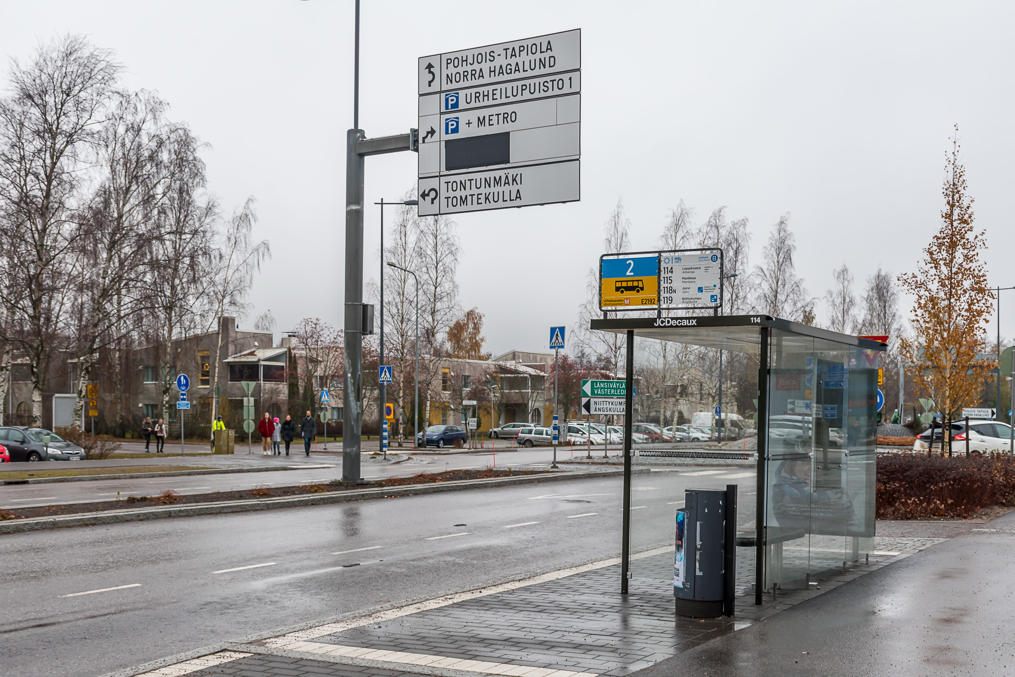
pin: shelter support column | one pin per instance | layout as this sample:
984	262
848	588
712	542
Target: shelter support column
625	553
760	519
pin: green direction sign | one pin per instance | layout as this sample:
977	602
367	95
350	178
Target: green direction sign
598	388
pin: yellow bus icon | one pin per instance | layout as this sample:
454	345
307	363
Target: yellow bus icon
621	286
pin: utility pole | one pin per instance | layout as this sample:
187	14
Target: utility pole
356	314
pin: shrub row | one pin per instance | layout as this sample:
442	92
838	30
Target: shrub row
917	486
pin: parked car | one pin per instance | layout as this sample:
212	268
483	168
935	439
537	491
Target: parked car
38	444
985	436
649	429
923	440
508	430
616	436
535	436
5	456
441	436
580	433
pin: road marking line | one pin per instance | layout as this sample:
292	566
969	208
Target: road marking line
93	592
674	503
584	514
195	664
447	600
37	498
520	524
346	552
886	553
249	566
738	476
368	656
437	538
637	507
703	472
191	488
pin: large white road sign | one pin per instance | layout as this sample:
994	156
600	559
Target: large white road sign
513	107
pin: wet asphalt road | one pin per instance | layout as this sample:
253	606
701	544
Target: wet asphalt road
296	469
89	600
947	610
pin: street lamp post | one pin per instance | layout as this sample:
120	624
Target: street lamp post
998	291
382	387
415	416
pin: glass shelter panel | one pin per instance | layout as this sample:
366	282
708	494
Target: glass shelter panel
820	461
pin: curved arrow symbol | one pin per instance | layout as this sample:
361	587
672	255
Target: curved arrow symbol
429	133
429	69
429	194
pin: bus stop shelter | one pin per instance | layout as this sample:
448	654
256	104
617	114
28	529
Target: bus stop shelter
816	438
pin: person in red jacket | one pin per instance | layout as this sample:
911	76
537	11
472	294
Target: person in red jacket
265	427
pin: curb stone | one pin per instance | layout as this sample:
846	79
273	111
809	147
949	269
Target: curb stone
224	507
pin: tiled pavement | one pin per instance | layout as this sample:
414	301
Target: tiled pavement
564	624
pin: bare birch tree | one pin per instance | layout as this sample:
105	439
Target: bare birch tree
841	302
45	128
232	270
437	253
400	310
781	292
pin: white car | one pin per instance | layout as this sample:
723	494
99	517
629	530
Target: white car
984	437
579	434
616	436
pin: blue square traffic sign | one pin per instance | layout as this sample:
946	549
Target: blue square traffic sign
450	126
450	100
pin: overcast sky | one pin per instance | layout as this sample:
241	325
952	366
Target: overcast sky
837	113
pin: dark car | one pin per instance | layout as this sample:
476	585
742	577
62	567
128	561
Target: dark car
38	444
441	436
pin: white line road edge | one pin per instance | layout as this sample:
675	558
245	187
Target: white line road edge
95	592
455	535
520	524
244	568
584	514
347	552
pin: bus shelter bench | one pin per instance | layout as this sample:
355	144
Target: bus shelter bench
776	536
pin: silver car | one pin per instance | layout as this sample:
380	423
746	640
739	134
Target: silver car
508	430
535	436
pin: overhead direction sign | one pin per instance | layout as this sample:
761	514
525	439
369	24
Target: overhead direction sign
513	106
687	279
557	337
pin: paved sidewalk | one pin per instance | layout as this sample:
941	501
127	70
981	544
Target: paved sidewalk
572	623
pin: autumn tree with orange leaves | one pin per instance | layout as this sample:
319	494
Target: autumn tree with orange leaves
947	354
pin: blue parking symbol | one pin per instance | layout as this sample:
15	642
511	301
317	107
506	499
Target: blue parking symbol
714	298
450	126
451	101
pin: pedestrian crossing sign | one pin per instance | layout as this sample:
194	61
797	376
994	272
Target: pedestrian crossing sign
556	338
385	373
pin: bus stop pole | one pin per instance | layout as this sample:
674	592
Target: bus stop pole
625	553
759	509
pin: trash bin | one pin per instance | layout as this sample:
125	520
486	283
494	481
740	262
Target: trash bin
703	566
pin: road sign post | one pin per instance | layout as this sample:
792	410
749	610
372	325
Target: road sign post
183	385
500	126
248	410
556	343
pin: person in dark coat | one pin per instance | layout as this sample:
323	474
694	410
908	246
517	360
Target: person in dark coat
309	431
288	432
146	429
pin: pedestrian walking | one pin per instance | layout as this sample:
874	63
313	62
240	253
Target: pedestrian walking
288	432
146	430
219	424
160	436
309	431
265	428
276	437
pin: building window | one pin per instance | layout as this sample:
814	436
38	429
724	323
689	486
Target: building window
336	414
444	415
204	369
273	373
149	375
244	371
149	410
445	380
466	381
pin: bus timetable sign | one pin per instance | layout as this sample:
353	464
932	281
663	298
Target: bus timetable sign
683	279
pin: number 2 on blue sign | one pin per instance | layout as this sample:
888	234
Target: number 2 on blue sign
630	267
